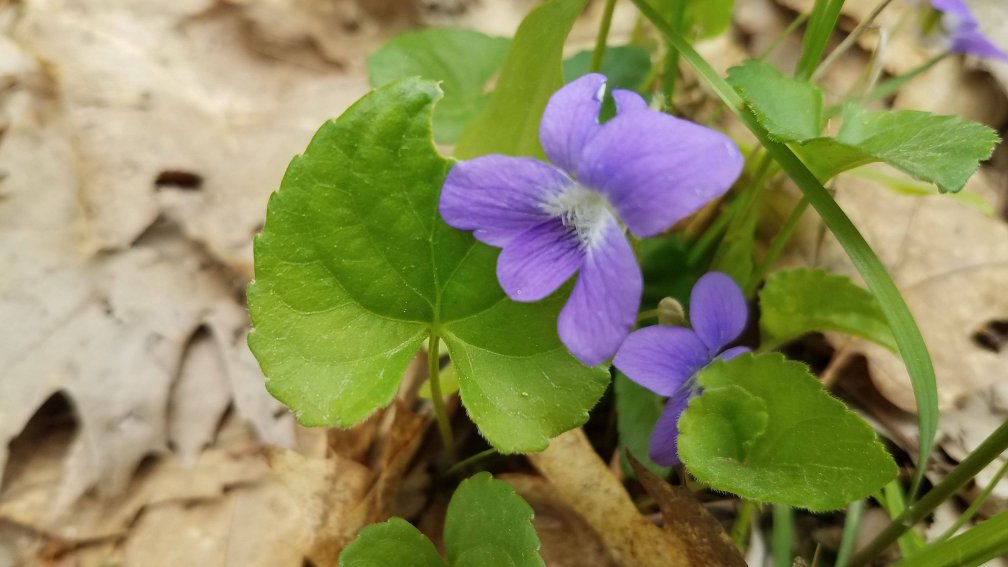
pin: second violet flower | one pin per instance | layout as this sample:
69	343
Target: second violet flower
666	360
641	171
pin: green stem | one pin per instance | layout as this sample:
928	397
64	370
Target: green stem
799	20
890	86
602	37
783	525
469	461
781	239
992	447
911	344
850	529
742	526
849	41
974	506
434	375
670	63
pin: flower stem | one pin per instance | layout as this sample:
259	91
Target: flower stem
602	37
799	20
780	240
469	461
434	375
742	526
783	526
850	40
850	529
990	449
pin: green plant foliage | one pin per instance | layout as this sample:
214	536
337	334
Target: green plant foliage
986	541
395	542
355	268
637	412
700	18
486	524
790	109
765	429
463	60
945	150
626	66
795	302
509	124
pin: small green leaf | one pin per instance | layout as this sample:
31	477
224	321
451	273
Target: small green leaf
789	109
488	524
463	60
626	66
509	124
795	302
945	150
708	18
700	18
637	412
355	268
765	429
395	542
448	380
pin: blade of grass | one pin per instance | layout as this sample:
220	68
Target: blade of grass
974	506
992	447
825	14
783	526
851	523
908	337
987	540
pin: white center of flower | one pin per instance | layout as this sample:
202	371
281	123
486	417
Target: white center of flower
581	209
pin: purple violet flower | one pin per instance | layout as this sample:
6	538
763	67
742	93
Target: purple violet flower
642	169
666	359
963	31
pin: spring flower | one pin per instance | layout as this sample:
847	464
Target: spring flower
642	170
666	359
963	31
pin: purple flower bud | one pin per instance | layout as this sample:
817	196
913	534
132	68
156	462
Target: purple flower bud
963	31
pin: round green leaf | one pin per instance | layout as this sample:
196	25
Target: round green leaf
765	429
488	524
395	542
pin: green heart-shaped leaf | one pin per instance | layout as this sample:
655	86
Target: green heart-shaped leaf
355	268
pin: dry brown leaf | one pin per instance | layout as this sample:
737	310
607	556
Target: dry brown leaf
106	330
584	483
173	109
707	542
951	264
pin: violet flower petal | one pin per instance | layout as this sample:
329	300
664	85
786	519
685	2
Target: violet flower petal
964	30
664	445
733	352
602	308
656	169
662	359
718	310
538	261
628	101
571	119
499	197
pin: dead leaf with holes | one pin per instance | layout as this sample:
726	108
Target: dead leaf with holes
949	261
109	331
178	109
